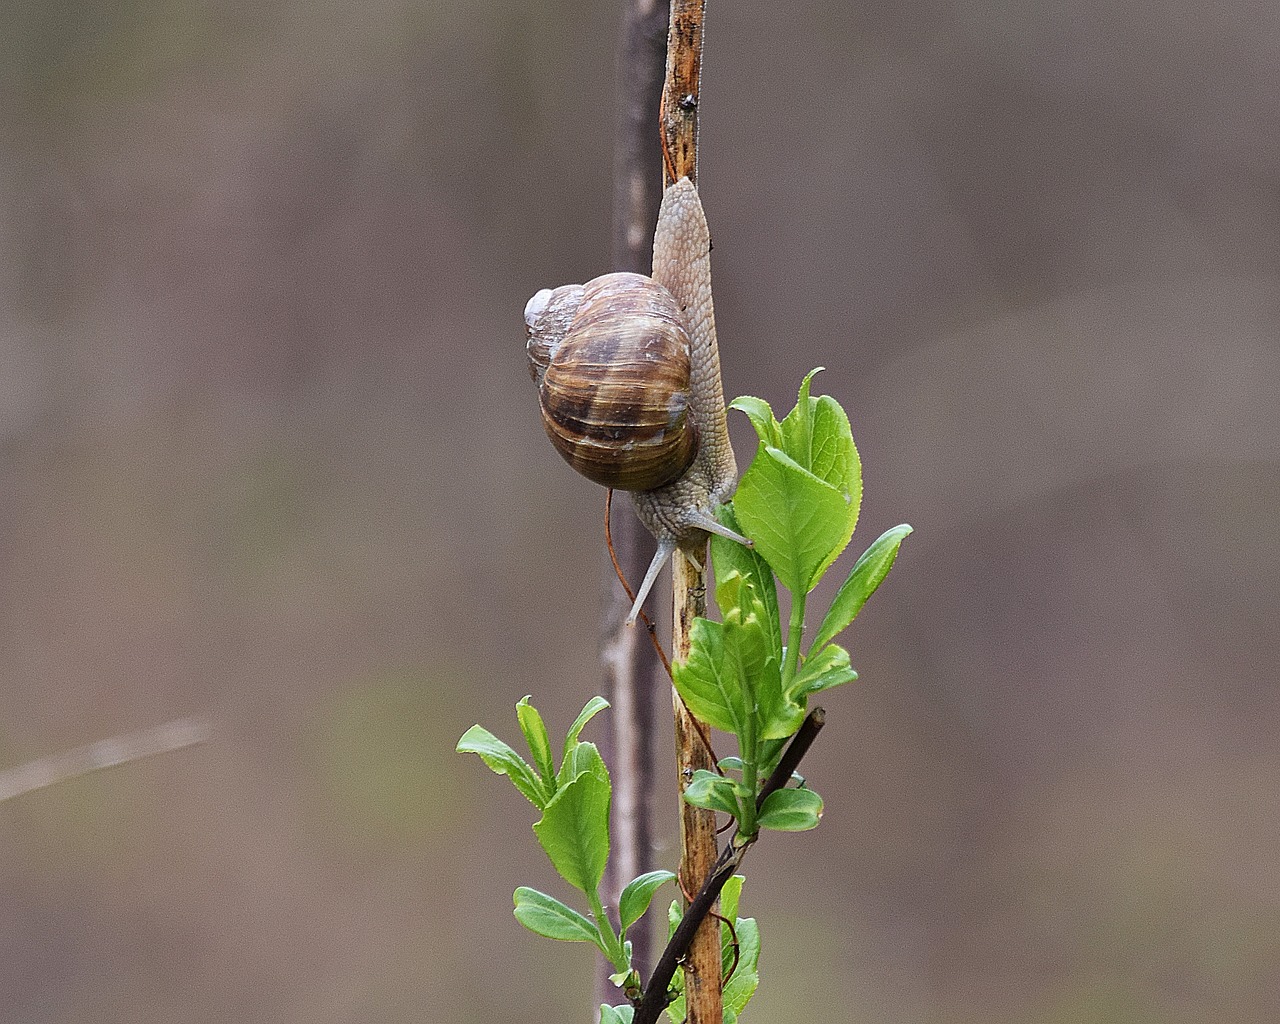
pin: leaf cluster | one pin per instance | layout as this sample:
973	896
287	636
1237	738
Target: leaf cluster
747	674
573	831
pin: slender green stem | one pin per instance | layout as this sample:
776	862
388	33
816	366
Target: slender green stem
750	742
794	634
750	751
617	955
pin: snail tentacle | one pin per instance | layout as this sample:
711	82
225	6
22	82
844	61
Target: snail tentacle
710	524
666	548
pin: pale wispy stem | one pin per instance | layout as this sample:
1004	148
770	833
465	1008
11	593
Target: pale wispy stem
629	663
108	753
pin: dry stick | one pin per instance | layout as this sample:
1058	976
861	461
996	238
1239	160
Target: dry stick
697	914
697	825
70	764
679	125
679	133
629	663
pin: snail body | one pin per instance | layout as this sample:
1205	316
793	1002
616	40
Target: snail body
628	375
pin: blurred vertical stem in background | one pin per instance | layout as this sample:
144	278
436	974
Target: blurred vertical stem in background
679	132
662	93
629	662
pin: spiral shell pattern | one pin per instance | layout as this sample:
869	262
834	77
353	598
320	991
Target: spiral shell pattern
614	386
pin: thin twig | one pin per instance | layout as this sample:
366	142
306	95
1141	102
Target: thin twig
733	941
655	997
791	757
716	916
629	664
70	764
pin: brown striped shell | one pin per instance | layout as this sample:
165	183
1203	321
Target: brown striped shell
611	360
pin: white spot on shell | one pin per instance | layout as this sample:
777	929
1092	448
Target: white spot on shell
535	306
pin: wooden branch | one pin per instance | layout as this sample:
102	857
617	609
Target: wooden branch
679	125
679	132
697	826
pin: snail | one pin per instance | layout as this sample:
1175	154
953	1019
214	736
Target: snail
628	376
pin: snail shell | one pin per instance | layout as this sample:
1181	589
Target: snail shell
612	362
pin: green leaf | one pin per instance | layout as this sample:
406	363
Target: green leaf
782	718
744	981
709	682
729	557
833	454
712	791
797	521
616	1014
732	763
572	763
505	761
589	711
547	916
582	757
730	895
836	460
797	432
574	830
791	810
817	435
761	416
821	671
628	980
638	894
867	574
748	943
675	1010
796	428
731	677
535	734
779	714
749	647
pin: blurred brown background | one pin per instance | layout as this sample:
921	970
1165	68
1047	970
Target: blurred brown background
269	454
